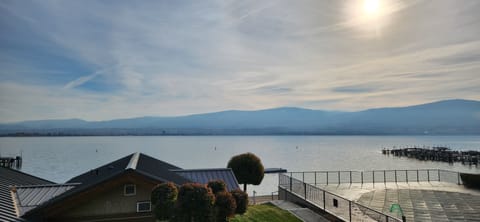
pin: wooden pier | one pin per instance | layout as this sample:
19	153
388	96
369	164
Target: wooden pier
438	153
11	162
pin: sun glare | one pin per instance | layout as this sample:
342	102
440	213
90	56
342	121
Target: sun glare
371	7
370	16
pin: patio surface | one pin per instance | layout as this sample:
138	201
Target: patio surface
420	201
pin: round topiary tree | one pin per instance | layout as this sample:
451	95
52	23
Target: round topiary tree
217	186
248	169
241	200
163	199
224	206
194	203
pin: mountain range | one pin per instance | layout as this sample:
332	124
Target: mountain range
447	117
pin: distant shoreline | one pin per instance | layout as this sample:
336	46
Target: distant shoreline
448	117
225	134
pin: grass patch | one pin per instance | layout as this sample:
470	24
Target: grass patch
265	213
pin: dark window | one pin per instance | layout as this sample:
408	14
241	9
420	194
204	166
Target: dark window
144	206
335	202
129	190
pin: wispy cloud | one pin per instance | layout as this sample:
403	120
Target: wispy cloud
173	58
80	81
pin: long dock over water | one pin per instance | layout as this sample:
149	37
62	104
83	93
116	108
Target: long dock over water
438	153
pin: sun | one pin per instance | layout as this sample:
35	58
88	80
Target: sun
371	17
371	7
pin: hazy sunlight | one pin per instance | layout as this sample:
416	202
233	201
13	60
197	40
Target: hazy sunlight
371	7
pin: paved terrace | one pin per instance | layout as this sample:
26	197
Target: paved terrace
420	201
424	195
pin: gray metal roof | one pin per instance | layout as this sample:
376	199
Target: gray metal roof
137	162
29	197
32	200
205	175
8	178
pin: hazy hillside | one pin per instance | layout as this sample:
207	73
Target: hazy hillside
444	117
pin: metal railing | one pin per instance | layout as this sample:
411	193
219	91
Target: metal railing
377	176
336	205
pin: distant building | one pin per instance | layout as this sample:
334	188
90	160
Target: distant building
117	191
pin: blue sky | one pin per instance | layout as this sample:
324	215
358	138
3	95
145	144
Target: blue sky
99	60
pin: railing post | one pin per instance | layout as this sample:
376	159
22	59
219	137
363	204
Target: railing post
384	176
350	177
323	199
303	177
438	171
315	178
406	176
350	210
428	175
395	176
279	179
338	177
305	190
290	184
458	177
327	177
361	175
373	176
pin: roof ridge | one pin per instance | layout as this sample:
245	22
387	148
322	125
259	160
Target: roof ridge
201	169
48	185
133	161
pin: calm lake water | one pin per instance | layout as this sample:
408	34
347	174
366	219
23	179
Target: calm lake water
60	158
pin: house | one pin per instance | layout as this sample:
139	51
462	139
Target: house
117	191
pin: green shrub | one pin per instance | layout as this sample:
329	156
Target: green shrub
194	203
217	186
241	200
163	199
248	169
471	180
224	206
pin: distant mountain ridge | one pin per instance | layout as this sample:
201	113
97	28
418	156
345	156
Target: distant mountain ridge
444	117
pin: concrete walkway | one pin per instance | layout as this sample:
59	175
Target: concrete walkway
303	214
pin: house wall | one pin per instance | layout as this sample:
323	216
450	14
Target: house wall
112	202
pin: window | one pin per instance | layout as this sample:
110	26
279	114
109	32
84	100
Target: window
129	190
144	206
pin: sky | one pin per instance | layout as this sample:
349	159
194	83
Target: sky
105	59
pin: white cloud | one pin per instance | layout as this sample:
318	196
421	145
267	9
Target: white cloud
165	58
80	81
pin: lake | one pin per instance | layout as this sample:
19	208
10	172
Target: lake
61	158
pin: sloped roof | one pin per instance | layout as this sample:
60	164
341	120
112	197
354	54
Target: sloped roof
205	175
137	162
29	197
155	168
8	178
101	172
